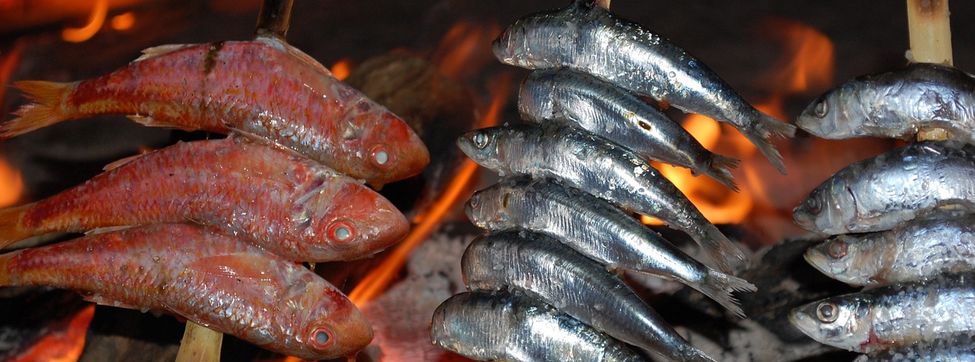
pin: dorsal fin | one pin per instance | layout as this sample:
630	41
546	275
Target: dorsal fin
156	51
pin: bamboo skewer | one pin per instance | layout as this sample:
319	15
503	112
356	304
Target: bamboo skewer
199	344
930	34
603	3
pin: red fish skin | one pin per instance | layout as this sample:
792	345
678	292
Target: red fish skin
282	202
266	89
204	276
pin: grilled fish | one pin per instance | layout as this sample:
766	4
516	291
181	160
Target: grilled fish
590	39
598	230
503	327
576	99
910	252
264	88
602	168
545	269
892	316
920	181
282	202
896	104
206	277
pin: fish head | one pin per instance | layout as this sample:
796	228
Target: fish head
391	150
844	321
828	209
351	221
483	147
834	115
855	260
539	41
488	208
332	326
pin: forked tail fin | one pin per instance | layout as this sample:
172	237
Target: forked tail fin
720	169
760	135
719	287
725	254
48	107
10	230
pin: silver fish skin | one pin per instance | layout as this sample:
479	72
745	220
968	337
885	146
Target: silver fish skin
896	105
505	327
581	160
590	39
923	180
955	349
577	99
598	230
543	268
892	316
910	252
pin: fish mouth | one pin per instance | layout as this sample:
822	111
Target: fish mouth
802	322
817	260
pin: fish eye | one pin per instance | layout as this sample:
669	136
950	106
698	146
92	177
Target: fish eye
320	338
837	248
379	156
822	107
814	205
827	312
480	140
341	231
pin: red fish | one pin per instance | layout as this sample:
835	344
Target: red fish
264	88
282	202
206	277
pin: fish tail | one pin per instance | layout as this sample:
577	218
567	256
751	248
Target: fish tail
693	354
10	230
719	168
47	107
720	286
761	133
725	254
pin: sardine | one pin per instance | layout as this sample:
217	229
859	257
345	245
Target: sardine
598	230
919	181
578	286
282	202
206	277
578	159
891	316
504	327
910	252
590	39
576	99
955	349
264	88
896	104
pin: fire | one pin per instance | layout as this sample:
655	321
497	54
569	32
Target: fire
64	344
11	184
95	21
465	49
341	69
123	22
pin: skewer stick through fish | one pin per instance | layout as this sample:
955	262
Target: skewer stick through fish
274	18
930	34
199	344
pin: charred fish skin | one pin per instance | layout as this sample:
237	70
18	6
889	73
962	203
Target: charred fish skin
283	202
598	230
576	99
606	170
890	316
920	181
207	277
543	268
915	251
896	105
506	327
588	38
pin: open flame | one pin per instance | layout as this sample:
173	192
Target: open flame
11	184
95	20
341	69
64	344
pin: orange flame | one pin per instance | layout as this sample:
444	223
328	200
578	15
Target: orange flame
807	62
342	68
376	281
123	22
95	21
11	184
465	49
64	345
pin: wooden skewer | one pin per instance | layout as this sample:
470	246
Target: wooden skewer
275	18
604	3
199	344
930	34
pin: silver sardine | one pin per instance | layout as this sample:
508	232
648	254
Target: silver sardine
892	316
577	99
896	104
910	252
956	349
504	327
602	168
541	267
590	39
598	230
919	181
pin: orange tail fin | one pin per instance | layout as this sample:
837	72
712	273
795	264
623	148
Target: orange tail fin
48	107
10	230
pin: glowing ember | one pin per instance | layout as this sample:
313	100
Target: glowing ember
122	22
341	69
63	345
95	21
11	184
